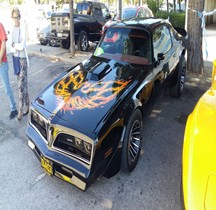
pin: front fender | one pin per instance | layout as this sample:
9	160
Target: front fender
198	160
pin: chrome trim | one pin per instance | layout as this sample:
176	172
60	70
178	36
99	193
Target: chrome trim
61	129
71	132
73	180
49	134
46	121
122	137
67	166
70	154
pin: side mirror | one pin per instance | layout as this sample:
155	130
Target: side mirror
161	56
108	16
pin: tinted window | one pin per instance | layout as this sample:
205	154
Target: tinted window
128	13
140	13
148	13
131	45
84	8
162	41
104	10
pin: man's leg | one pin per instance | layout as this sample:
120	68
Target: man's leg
5	80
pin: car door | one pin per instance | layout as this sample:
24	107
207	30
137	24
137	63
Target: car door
94	27
163	47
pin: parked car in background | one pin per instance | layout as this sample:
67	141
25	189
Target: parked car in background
88	121
43	33
44	36
89	18
46	13
130	12
199	153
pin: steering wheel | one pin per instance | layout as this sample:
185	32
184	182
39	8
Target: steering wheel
138	53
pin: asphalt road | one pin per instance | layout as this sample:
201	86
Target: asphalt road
153	185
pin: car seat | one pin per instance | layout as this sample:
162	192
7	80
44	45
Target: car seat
125	47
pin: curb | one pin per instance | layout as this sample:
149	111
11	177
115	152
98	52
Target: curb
66	57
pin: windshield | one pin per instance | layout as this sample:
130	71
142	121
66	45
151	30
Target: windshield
128	13
125	44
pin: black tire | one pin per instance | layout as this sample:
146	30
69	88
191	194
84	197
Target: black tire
83	41
131	145
43	42
53	43
65	44
177	89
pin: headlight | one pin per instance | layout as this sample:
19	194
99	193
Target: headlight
73	146
39	123
79	143
83	145
87	147
34	116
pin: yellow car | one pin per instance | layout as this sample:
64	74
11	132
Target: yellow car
199	153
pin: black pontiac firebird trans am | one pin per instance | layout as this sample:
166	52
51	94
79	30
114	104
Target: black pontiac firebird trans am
88	121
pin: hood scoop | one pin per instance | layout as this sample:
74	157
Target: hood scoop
98	71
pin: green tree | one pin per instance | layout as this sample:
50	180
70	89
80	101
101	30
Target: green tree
14	2
154	5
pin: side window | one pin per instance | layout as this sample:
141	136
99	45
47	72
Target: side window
147	13
104	10
140	13
84	8
162	41
97	12
79	9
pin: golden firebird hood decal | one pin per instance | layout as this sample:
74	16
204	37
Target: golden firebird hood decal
93	94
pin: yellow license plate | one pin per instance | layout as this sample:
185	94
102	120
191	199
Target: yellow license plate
47	165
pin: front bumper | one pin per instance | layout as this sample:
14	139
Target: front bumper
57	164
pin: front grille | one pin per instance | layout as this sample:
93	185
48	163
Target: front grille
73	146
39	123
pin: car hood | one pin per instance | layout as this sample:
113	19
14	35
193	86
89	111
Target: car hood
199	156
45	29
89	91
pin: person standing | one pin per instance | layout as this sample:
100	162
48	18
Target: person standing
4	72
18	48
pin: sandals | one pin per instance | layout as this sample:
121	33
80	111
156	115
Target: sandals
21	114
26	112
